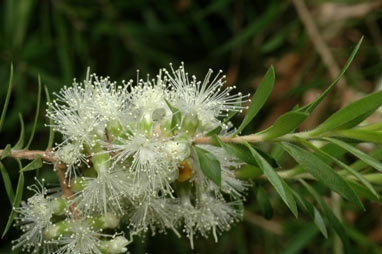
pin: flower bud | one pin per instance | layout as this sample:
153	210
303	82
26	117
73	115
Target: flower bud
115	246
190	123
58	205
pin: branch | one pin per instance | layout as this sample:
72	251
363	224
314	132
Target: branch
31	154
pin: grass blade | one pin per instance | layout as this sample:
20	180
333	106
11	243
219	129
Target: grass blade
36	114
51	132
8	96
20	142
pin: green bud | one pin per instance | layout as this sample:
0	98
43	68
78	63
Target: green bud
90	172
54	231
77	184
190	123
59	205
114	128
114	246
108	220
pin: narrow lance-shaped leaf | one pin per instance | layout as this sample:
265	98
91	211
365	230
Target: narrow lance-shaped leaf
277	182
7	183
241	152
35	164
8	96
363	135
209	165
20	142
375	154
349	113
333	220
357	175
312	212
362	191
6	152
311	106
51	132
358	153
36	114
286	123
323	172
16	202
259	98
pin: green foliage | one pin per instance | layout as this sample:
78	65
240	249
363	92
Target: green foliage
278	183
258	99
209	165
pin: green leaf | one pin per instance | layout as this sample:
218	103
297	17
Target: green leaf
362	191
277	182
51	132
264	203
35	164
359	154
176	115
312	212
311	106
323	172
7	183
6	152
334	222
359	164
331	158
363	135
7	97
259	98
241	152
248	171
20	142
16	202
286	123
209	165
349	113
36	114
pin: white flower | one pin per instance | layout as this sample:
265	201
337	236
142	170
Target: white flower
33	217
154	213
148	100
82	239
148	160
208	100
210	215
102	194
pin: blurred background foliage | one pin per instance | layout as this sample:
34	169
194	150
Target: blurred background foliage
58	39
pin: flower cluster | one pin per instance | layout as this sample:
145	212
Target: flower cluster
130	155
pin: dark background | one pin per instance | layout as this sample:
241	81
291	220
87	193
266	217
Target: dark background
60	39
